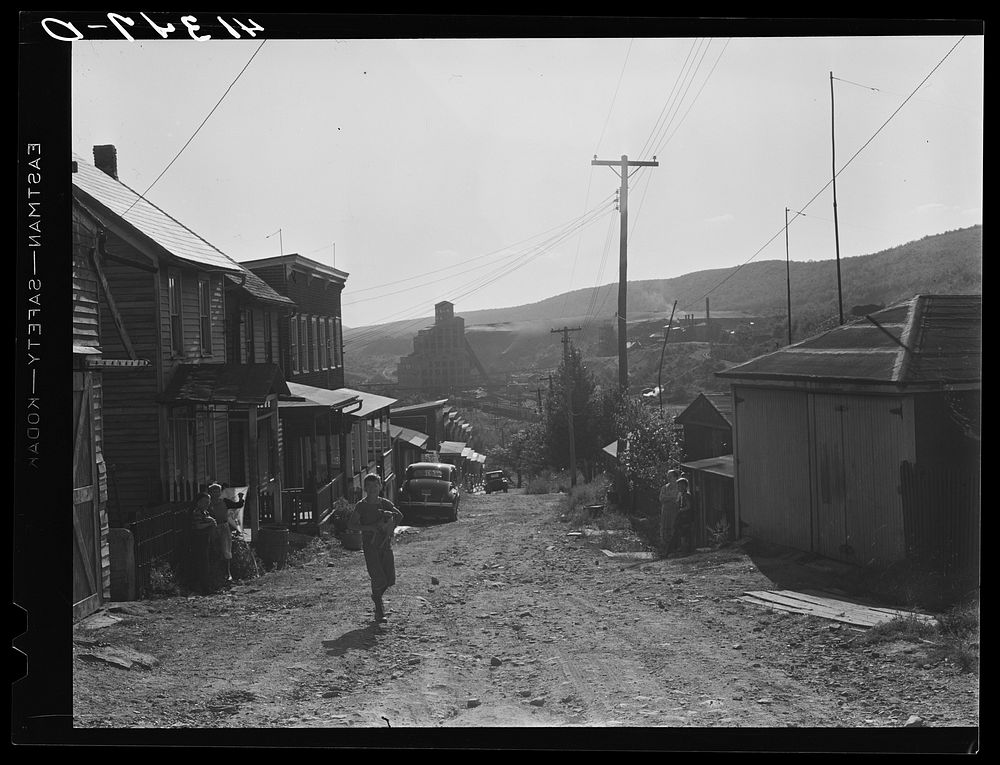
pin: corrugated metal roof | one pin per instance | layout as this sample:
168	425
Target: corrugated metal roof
927	339
414	437
371	402
321	397
225	383
258	289
146	218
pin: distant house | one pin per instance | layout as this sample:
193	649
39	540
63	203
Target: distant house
409	446
708	426
862	443
427	417
708	439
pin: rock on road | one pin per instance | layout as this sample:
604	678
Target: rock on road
504	619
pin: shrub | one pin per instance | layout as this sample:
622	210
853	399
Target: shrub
245	563
341	512
537	485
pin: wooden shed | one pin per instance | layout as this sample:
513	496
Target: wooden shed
708	426
862	443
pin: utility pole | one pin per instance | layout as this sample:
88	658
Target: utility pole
659	379
569	401
539	392
836	228
788	280
624	164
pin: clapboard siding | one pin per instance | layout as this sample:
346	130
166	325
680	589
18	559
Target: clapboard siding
133	293
191	319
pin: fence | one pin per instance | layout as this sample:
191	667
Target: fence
158	534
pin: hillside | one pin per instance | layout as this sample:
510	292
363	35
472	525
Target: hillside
517	338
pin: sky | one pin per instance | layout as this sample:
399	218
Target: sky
460	169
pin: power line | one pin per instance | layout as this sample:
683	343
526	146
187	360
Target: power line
143	194
649	141
830	182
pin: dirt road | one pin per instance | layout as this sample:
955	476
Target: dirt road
507	618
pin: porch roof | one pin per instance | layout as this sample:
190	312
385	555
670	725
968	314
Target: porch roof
716	465
370	402
414	437
225	383
451	447
318	397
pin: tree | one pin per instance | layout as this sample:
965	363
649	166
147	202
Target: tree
585	412
647	445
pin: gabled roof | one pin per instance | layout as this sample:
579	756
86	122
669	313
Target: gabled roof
258	289
225	383
104	196
927	340
713	410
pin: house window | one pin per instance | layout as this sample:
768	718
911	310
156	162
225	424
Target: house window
268	349
303	352
311	340
324	360
293	343
338	338
205	314
181	456
248	337
174	298
210	466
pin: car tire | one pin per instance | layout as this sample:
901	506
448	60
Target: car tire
454	514
504	491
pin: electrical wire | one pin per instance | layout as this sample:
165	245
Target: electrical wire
197	130
830	182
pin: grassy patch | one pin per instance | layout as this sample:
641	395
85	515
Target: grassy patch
955	638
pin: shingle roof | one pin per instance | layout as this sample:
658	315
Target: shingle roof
258	289
100	190
929	339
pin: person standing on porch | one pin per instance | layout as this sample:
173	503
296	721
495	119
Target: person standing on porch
376	517
203	531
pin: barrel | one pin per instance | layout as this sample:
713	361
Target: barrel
272	544
351	539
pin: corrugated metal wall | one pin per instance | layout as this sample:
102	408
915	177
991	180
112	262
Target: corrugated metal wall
772	456
857	448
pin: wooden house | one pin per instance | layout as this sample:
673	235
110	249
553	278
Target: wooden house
370	442
91	545
315	432
862	443
172	397
427	417
409	446
311	337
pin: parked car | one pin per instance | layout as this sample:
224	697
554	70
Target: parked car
430	488
495	480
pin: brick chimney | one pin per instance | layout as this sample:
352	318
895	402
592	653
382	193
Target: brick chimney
106	159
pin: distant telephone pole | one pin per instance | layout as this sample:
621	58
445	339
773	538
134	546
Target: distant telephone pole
788	280
624	164
836	228
569	400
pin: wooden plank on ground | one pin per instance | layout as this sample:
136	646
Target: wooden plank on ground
829	608
630	555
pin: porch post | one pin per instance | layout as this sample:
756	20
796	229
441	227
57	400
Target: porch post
275	458
252	498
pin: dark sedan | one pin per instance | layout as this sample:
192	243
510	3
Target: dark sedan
429	488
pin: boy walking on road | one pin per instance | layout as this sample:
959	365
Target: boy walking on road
376	517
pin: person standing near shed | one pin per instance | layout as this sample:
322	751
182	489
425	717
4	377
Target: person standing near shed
668	507
376	517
